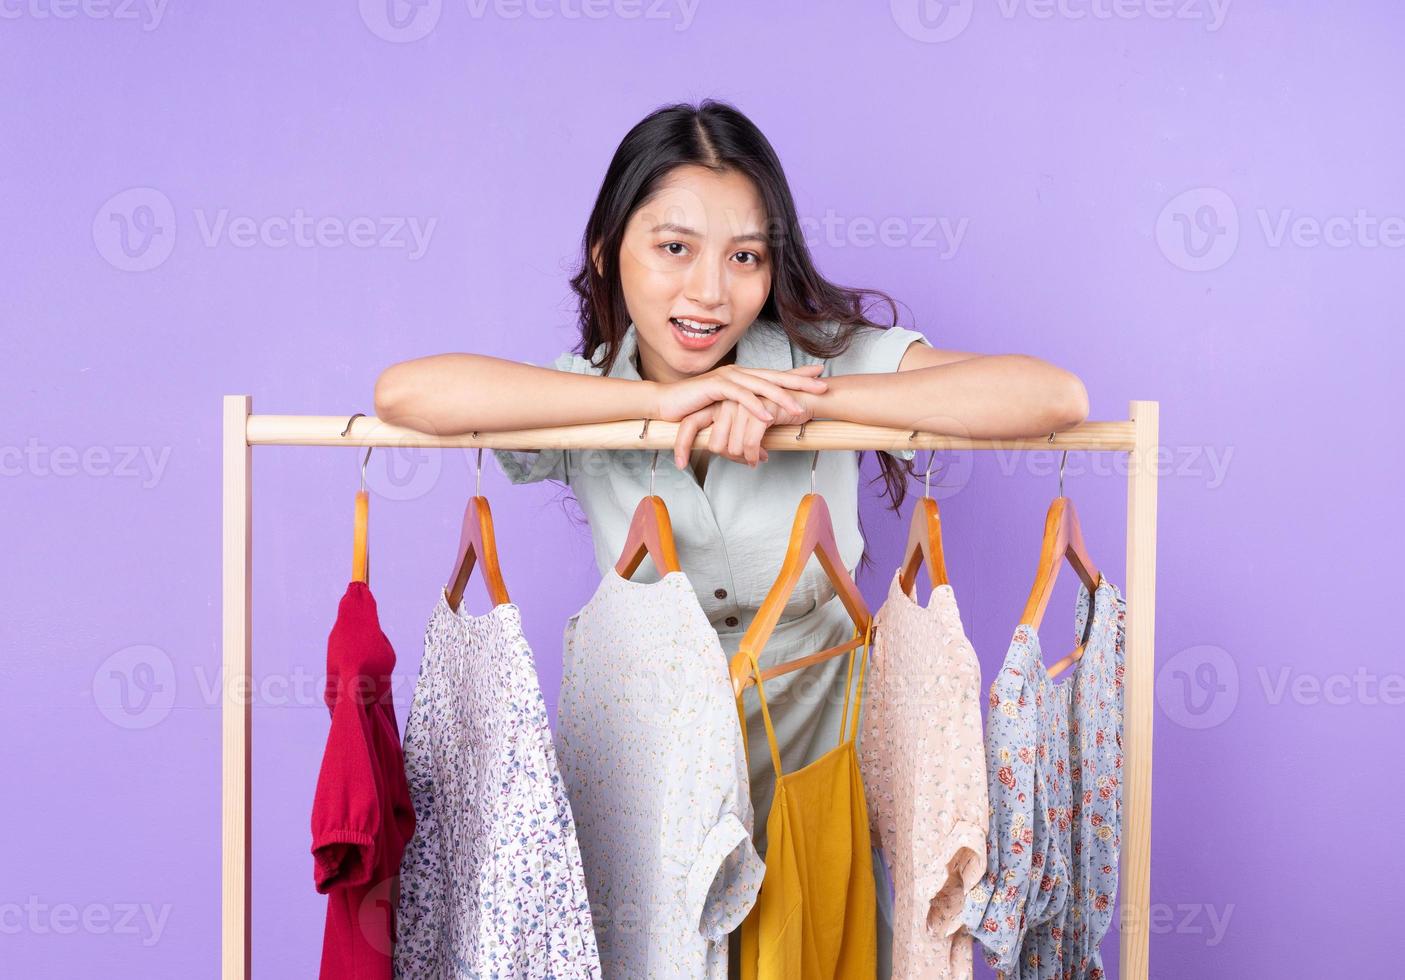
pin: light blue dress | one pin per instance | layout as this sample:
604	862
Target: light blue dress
1054	770
732	531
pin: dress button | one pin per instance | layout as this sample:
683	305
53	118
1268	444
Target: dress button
731	620
720	593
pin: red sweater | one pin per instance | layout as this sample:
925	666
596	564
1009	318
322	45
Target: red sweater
361	815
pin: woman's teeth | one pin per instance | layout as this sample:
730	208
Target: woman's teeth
695	329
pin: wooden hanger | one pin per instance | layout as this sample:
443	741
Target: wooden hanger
812	533
924	541
360	552
360	543
477	545
650	531
1063	540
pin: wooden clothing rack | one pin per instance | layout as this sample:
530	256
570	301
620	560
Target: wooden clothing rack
1137	436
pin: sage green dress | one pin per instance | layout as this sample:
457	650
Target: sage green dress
731	532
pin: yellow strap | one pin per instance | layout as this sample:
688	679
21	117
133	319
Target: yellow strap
844	727
850	695
765	714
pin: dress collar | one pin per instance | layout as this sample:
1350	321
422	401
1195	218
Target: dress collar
764	345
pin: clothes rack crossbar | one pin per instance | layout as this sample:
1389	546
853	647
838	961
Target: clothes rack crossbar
1137	436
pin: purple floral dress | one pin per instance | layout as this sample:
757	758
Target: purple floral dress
1054	766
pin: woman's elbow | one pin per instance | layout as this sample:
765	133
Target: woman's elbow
1071	403
393	393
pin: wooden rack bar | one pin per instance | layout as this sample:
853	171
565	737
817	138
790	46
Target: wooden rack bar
1137	436
326	430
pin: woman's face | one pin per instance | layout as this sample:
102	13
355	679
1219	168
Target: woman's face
697	252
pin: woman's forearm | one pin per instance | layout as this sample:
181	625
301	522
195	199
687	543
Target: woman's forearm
995	396
452	393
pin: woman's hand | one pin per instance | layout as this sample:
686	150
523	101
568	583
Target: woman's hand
736	432
748	388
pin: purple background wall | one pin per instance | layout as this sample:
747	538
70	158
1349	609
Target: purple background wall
1194	203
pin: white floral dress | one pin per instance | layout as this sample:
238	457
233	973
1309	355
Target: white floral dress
491	884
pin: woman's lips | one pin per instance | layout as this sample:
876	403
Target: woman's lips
693	341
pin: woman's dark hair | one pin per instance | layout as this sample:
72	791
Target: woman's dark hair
719	137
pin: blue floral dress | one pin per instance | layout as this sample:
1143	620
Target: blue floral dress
1054	767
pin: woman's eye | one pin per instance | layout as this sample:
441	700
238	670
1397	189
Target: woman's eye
671	245
755	259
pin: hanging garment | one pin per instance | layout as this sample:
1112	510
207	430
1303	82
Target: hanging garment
361	813
491	885
654	767
732	528
815	916
1054	766
923	765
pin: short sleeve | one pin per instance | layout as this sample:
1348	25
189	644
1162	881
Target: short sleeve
955	868
876	350
724	879
534	465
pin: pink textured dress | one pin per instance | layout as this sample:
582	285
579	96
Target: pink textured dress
923	765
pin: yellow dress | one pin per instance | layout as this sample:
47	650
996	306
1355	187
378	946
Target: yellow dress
814	918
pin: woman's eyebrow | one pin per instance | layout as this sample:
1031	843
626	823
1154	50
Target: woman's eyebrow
677	229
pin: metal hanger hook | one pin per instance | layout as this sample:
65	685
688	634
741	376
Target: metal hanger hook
367	458
478	481
1062	459
652	467
814	459
927	477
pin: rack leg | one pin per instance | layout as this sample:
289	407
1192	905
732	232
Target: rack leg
235	705
1138	706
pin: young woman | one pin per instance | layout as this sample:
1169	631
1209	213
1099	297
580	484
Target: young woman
699	303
